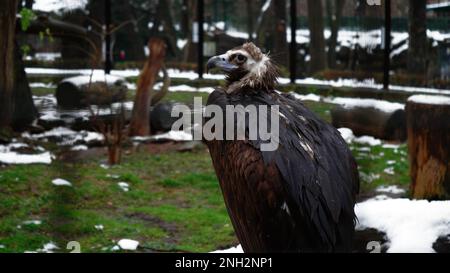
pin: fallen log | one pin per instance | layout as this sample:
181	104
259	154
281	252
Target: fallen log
387	125
81	91
428	122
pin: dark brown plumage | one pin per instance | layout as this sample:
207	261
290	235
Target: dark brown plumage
298	198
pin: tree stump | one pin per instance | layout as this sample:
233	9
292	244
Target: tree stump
428	125
387	125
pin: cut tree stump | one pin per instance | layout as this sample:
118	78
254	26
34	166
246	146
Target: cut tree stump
387	125
428	123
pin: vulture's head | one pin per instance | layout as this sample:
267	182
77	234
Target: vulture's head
246	67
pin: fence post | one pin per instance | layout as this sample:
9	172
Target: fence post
387	43
200	20
293	45
108	62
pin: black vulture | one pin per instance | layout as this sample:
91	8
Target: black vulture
298	197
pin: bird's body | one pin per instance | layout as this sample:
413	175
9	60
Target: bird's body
297	198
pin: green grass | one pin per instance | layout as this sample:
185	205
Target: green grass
189	216
174	202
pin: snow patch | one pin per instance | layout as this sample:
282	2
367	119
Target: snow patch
99	227
124	186
61	182
79	148
236	249
127	244
367	140
410	225
427	99
48	248
390	189
382	105
310	97
32	222
16	158
171	135
86	79
58	5
347	134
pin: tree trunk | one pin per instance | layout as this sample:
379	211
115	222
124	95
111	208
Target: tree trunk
8	10
417	51
428	145
371	121
334	17
317	43
25	111
140	123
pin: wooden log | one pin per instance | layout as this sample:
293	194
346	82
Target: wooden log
428	123
81	91
387	125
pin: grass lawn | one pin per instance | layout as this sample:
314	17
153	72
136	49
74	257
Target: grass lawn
174	202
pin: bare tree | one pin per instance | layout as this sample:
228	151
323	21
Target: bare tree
17	109
8	10
140	119
317	43
417	52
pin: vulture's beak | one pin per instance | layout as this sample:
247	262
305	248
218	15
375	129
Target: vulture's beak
221	63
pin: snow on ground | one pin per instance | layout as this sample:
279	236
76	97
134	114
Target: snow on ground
58	5
382	105
367	140
127	244
124	186
32	222
97	77
236	249
191	75
42	85
410	225
349	137
171	135
49	111
66	137
309	97
8	155
99	227
425	99
347	134
47	56
79	148
47	248
390	189
61	182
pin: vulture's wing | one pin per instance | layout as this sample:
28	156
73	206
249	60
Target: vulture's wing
319	171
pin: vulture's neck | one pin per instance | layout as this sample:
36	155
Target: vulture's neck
263	79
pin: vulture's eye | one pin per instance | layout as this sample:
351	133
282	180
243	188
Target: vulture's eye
241	58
